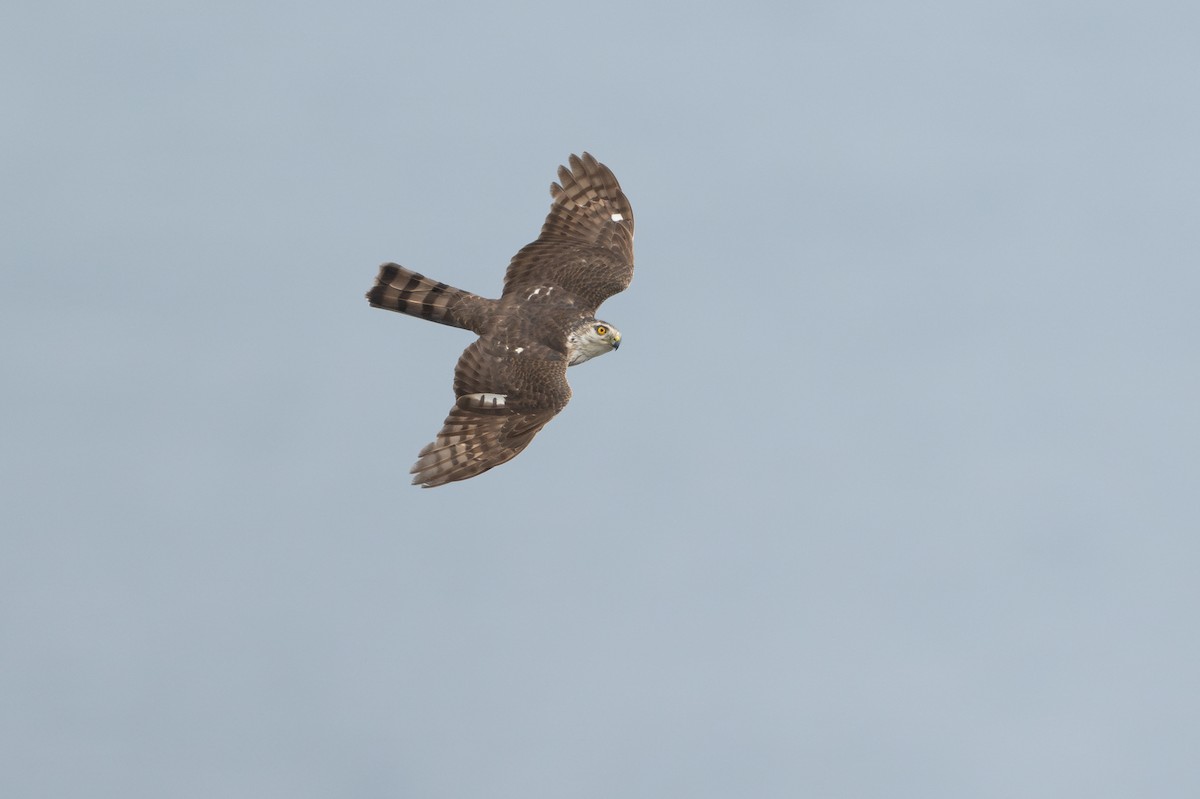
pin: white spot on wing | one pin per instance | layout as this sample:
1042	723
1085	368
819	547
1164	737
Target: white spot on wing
617	218
519	350
490	400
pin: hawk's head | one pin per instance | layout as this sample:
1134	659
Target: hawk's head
590	338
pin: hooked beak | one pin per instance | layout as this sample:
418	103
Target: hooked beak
616	342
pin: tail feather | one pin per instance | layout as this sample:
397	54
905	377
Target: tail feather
408	292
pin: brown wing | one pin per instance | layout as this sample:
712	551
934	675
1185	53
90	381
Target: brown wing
586	244
503	400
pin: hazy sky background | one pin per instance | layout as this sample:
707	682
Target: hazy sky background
893	489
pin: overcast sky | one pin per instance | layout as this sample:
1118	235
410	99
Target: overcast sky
892	489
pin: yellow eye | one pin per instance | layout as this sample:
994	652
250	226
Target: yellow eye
601	330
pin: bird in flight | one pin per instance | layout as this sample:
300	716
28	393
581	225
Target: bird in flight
513	379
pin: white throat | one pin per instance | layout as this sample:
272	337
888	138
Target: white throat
584	349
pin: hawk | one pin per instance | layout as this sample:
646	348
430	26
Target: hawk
513	380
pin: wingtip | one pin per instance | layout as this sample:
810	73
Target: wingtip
423	480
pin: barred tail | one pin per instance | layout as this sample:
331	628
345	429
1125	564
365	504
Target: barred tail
406	291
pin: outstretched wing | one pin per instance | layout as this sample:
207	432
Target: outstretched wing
503	399
586	244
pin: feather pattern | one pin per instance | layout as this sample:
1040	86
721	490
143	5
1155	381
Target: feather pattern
409	292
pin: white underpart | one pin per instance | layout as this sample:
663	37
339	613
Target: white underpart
616	217
494	400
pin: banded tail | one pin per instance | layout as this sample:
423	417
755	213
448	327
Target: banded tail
406	291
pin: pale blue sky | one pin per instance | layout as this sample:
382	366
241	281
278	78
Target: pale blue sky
892	489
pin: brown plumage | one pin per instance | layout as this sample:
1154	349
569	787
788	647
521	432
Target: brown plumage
513	380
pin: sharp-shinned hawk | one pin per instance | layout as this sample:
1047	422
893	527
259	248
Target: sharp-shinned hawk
513	380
